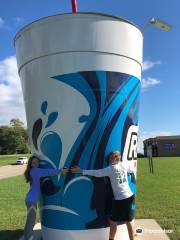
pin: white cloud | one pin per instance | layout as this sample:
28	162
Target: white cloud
18	20
1	22
11	100
145	135
147	64
149	82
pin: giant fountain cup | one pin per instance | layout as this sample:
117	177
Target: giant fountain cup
80	76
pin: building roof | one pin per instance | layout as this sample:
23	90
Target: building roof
176	137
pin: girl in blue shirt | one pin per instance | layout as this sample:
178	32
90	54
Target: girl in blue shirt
32	175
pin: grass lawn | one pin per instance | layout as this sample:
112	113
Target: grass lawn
10	159
13	209
158	195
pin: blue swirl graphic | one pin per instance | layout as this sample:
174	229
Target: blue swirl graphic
113	100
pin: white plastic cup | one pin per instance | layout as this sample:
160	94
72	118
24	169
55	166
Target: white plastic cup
80	76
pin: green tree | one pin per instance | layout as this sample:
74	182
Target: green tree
16	123
6	141
14	138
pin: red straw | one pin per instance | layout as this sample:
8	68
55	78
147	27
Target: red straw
74	6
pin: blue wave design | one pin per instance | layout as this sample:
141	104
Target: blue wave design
108	115
51	146
51	119
114	142
75	191
76	81
44	107
107	120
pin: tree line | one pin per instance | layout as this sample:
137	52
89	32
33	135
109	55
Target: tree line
14	138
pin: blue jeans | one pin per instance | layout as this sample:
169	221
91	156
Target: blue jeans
30	220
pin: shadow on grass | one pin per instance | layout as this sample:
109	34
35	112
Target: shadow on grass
24	164
11	234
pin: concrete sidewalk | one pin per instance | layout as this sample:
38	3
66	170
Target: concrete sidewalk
150	230
11	170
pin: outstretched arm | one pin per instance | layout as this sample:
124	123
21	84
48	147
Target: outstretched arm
49	172
104	172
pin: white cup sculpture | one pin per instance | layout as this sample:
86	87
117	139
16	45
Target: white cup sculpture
80	76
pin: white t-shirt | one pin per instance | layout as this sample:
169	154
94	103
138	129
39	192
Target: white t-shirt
118	177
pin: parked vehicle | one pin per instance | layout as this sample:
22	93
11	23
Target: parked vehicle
22	160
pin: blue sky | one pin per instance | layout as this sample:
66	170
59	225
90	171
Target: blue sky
160	96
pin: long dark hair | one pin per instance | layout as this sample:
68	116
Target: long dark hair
28	169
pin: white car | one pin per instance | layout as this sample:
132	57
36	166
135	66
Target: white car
22	160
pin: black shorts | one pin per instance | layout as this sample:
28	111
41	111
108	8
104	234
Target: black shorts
123	210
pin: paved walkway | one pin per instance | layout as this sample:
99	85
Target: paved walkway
11	171
151	230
